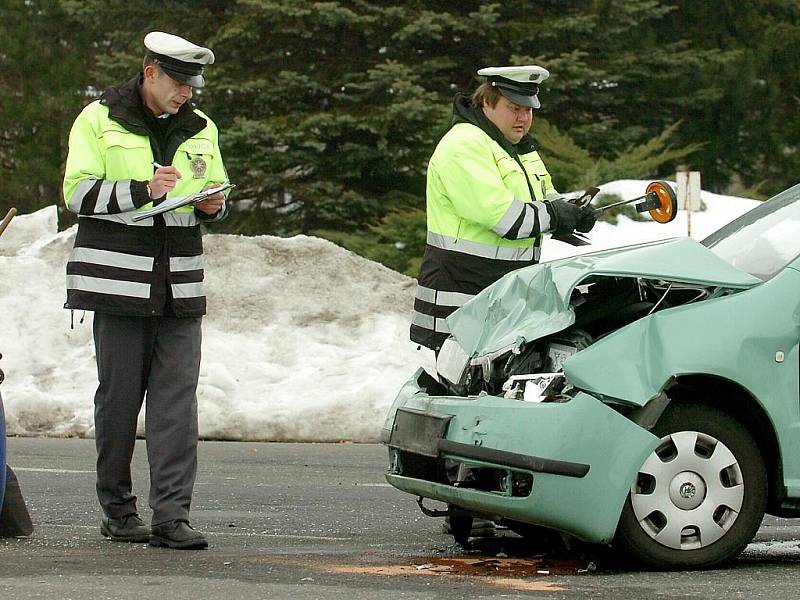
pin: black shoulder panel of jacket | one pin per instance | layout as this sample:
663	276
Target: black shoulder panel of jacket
126	107
463	112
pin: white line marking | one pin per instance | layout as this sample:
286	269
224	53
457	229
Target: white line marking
282	535
33	470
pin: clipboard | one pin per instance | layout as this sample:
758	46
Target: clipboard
173	203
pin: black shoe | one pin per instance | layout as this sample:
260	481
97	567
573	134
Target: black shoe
125	529
178	535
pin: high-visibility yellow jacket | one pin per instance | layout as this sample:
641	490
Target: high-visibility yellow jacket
486	217
152	266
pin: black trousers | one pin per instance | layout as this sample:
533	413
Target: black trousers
157	358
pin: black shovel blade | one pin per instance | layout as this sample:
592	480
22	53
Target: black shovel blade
14	518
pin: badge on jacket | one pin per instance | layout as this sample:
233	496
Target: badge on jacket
198	166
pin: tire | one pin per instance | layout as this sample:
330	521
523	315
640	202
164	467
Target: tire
460	528
699	497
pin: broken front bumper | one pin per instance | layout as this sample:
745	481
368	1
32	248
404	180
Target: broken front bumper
565	465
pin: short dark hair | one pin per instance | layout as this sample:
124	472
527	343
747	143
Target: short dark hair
485	92
148	60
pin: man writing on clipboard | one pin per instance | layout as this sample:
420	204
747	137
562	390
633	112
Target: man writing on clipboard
143	278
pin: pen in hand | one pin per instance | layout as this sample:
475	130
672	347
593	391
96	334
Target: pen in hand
163	180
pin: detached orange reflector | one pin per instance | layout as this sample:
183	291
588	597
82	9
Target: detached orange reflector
668	209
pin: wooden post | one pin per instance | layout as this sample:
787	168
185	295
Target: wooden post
688	183
7	219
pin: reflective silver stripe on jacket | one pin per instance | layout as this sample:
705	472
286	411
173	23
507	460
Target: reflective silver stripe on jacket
125	218
103	197
179	219
507	220
544	219
429	322
121	189
441	298
172	219
124	197
445	242
83	188
108	286
185	263
187	290
111	259
530	212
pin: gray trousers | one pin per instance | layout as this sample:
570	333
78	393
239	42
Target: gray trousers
156	357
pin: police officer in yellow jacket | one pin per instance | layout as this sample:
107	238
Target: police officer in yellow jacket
140	143
489	199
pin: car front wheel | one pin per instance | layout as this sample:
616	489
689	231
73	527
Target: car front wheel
699	497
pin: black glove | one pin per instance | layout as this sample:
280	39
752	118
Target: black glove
586	219
563	216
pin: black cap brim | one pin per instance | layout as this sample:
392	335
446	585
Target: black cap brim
196	81
521	99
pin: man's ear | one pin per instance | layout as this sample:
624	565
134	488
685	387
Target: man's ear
150	72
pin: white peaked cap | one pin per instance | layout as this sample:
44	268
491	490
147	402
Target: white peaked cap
179	58
524	74
518	84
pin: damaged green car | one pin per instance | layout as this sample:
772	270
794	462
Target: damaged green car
646	396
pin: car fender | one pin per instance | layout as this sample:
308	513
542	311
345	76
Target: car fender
749	338
637	361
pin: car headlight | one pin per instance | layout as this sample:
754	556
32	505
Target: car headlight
452	362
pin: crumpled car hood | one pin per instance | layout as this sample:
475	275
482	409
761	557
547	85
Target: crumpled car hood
534	302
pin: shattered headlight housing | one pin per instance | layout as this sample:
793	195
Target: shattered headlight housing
452	363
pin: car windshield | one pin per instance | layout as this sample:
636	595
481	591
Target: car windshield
764	240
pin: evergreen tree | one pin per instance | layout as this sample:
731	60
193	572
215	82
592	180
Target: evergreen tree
41	78
328	111
331	115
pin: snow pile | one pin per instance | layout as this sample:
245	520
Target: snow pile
303	341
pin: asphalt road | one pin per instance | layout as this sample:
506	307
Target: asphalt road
318	521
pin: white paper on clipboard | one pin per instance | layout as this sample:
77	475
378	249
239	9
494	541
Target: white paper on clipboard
173	203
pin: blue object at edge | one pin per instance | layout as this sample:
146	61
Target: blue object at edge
2	452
